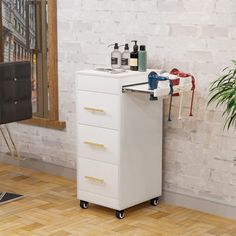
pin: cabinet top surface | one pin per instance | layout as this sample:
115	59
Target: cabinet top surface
98	73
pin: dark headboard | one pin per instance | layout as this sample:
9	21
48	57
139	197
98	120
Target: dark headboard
15	91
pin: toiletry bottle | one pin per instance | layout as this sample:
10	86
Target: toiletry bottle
125	57
134	57
142	59
115	57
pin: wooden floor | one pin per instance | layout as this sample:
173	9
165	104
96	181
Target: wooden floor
50	208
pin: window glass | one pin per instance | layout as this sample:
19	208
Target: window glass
24	30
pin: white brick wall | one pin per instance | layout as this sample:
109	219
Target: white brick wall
196	36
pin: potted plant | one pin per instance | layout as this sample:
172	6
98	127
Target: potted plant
223	92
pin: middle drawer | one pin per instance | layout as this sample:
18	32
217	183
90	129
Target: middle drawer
98	144
98	109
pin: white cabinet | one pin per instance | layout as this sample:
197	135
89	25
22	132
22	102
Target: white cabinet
119	162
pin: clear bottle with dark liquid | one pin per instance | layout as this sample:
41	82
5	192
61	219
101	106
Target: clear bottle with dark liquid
134	57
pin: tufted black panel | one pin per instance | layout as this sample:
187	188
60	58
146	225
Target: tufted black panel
15	91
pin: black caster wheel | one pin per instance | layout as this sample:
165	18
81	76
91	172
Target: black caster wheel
84	205
154	201
120	214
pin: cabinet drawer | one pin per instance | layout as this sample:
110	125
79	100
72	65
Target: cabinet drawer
97	177
98	109
98	84
98	144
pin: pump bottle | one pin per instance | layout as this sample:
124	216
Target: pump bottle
125	57
142	59
115	57
134	57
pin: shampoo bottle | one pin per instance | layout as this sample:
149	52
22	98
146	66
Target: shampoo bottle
142	59
115	57
125	57
134	57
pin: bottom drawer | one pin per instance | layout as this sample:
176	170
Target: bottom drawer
97	177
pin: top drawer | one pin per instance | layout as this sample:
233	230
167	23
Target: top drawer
98	109
98	84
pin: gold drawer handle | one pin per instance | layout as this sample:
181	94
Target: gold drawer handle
97	145
95	180
94	109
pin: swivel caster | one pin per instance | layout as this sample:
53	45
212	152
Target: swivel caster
120	214
154	201
84	204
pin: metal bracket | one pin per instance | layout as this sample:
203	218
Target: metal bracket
10	143
6	197
138	88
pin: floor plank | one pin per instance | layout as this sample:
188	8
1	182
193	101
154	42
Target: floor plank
50	208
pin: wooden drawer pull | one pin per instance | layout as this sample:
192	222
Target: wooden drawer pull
97	145
94	109
95	180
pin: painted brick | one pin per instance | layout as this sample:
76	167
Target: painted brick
184	30
215	32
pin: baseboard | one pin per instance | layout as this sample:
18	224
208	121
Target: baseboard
42	166
199	204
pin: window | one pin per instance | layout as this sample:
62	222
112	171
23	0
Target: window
15	23
18	53
34	38
14	52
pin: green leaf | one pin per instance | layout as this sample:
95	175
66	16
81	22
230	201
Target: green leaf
222	92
